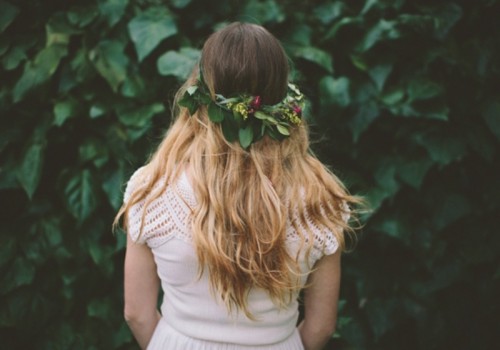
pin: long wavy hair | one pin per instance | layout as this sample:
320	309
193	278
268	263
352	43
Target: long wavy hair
245	198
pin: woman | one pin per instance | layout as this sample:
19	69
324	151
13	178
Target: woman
232	215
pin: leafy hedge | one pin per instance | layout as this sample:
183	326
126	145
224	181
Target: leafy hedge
404	100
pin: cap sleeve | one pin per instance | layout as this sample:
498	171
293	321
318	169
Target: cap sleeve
134	215
325	241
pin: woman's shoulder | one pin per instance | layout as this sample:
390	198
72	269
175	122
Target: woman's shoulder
162	213
134	182
323	239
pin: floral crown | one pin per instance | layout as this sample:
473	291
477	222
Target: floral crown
244	117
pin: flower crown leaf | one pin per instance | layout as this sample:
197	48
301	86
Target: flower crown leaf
245	136
244	117
215	113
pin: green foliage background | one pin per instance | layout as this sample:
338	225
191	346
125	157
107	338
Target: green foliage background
405	101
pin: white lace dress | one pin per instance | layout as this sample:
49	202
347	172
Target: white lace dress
193	318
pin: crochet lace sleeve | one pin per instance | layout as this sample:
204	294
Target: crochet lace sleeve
134	215
325	241
331	243
165	217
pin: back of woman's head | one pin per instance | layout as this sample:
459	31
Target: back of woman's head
245	58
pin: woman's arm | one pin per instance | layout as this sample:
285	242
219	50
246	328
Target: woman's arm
141	287
320	303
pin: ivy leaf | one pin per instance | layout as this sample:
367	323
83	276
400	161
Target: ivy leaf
369	4
341	323
96	111
4	46
99	308
315	55
95	151
101	256
64	110
359	62
8	179
246	136
112	185
59	30
445	17
136	132
215	113
381	315
449	208
8	13
365	115
133	86
30	170
112	10
82	70
422	89
266	11
180	3
20	273
149	28
13	57
332	32
140	116
7	249
394	227
413	172
80	196
379	74
111	62
434	109
51	228
479	139
393	96
335	91
381	31
82	16
442	148
178	63
328	12
39	70
301	35
384	175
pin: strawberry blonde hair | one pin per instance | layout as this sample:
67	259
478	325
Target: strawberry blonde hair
245	197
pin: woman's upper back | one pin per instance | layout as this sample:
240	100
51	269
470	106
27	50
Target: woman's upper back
190	304
169	216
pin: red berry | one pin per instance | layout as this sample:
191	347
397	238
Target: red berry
297	110
255	104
